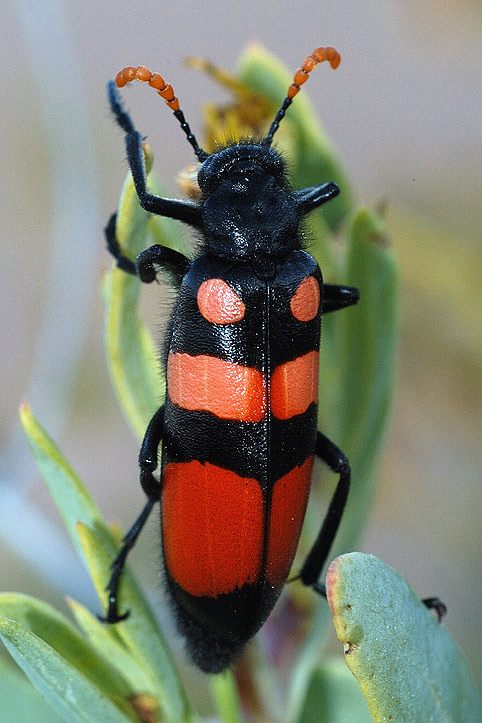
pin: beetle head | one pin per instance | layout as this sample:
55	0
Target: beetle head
248	207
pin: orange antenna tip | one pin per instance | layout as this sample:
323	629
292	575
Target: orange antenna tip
301	76
166	91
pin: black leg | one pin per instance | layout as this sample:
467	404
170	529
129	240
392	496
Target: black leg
158	255
113	246
147	463
314	196
338	297
149	454
434	603
117	566
182	210
318	554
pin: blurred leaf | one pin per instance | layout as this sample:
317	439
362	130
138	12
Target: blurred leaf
139	633
407	665
367	362
68	492
55	630
20	701
98	548
110	648
225	694
72	695
131	353
333	696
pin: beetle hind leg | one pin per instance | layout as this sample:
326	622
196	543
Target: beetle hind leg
147	464
336	460
117	566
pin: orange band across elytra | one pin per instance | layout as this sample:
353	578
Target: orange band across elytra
288	506
224	388
212	522
294	386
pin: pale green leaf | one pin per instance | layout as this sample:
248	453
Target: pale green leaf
74	696
333	696
19	700
55	630
139	632
67	490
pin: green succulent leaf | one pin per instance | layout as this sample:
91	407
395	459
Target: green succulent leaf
366	360
98	548
111	648
67	490
333	696
407	665
139	633
54	629
18	695
73	695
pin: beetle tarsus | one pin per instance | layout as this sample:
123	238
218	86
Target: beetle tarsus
434	603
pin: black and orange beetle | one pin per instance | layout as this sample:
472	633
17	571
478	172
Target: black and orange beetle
239	424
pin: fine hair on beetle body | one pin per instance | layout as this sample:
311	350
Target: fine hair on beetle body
238	428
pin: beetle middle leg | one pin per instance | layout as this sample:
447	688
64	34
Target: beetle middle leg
337	297
147	464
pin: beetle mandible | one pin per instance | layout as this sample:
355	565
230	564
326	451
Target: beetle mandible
239	423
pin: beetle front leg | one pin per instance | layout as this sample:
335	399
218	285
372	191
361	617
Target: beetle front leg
182	210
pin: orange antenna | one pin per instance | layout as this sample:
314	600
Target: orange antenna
301	76
165	90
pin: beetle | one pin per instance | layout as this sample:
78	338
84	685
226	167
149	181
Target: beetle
239	423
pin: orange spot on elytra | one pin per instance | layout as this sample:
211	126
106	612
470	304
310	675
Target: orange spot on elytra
305	301
294	386
288	506
224	388
219	303
212	523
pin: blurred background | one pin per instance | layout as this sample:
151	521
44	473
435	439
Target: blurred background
403	110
